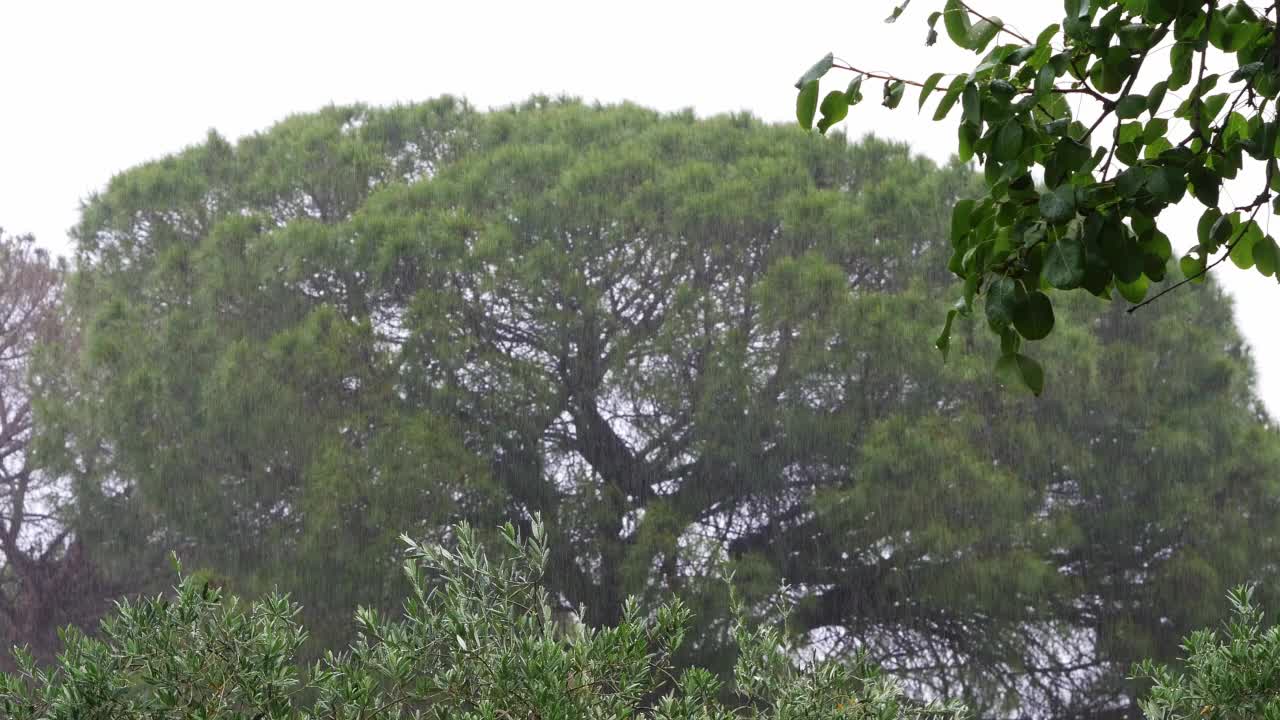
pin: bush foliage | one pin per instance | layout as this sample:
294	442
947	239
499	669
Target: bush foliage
477	639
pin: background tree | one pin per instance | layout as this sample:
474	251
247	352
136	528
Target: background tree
1093	223
692	346
263	391
46	580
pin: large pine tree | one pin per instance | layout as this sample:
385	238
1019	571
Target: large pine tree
693	346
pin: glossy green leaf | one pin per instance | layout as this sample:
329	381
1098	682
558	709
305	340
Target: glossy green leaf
949	98
960	214
1008	142
929	84
853	93
816	71
897	11
1001	297
943	343
1058	205
1064	266
893	91
1018	369
1155	97
1131	106
1266	256
834	108
983	32
956	20
1192	268
971	105
1135	291
1033	316
807	104
1242	245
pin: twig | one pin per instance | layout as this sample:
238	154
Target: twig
877	75
1003	28
1257	203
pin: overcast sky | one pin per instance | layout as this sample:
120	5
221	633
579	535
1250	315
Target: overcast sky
92	88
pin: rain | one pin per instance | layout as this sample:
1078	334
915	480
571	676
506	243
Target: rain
539	361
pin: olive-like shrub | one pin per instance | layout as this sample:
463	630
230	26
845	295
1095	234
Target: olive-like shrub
1228	675
478	638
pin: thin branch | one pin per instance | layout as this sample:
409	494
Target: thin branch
877	75
1003	28
1255	205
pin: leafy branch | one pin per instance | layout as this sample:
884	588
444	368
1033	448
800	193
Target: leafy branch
1059	213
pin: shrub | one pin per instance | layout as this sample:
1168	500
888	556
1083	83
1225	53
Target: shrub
477	639
1225	677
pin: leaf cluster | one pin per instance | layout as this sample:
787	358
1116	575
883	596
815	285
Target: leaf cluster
1232	674
1066	208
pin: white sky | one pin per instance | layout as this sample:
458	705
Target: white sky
92	88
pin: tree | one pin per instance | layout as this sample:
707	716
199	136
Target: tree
241	395
45	579
1093	222
693	347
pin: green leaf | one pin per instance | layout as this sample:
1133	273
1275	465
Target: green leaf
1156	96
1204	228
1128	132
1064	266
966	137
893	90
1033	317
1192	268
853	93
807	104
1135	290
1155	130
929	84
1008	143
1246	71
949	97
816	72
1131	106
1221	230
1180	65
1059	205
1266	256
1155	147
1045	79
1205	186
897	11
956	20
1001	297
943	343
835	106
1167	184
983	32
1046	35
1018	369
1010	341
971	105
960	214
1242	247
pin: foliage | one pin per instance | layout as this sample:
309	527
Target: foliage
1231	676
478	639
45	578
1093	223
687	344
249	347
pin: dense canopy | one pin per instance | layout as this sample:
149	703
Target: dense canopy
694	346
